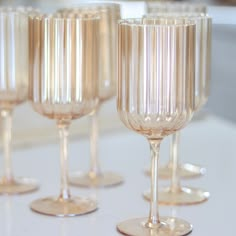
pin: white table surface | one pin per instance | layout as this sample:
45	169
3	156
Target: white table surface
210	142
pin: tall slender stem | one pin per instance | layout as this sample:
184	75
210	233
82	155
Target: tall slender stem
94	162
174	155
63	126
6	115
153	220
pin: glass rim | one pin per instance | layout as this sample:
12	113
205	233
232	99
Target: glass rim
184	4
179	15
138	22
20	9
86	11
69	16
15	8
13	13
96	6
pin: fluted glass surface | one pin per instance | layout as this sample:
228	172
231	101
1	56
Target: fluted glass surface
204	42
63	86
202	54
155	91
175	194
63	57
13	58
156	73
202	86
14	63
109	14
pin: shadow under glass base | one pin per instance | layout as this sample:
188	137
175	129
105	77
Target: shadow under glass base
55	206
185	196
169	226
18	186
106	179
185	171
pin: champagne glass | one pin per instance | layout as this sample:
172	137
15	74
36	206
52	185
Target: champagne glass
155	98
109	15
175	194
13	89
186	170
63	87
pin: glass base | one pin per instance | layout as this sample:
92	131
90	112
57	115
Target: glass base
186	171
169	226
185	196
55	206
106	179
18	186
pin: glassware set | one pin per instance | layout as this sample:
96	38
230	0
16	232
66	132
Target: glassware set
67	63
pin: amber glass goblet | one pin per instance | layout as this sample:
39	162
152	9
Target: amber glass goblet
175	194
14	63
63	87
187	170
107	80
156	62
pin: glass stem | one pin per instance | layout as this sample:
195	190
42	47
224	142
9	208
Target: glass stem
174	155
153	220
6	115
63	126
94	162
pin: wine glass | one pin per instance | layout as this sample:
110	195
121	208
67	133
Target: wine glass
155	98
63	87
175	194
109	15
185	170
13	89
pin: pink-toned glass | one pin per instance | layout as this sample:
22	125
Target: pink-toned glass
63	87
107	80
176	194
167	8
156	62
14	63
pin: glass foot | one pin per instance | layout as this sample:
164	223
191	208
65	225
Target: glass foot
18	186
106	179
186	171
169	226
185	196
63	207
